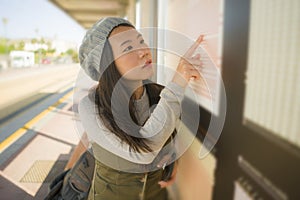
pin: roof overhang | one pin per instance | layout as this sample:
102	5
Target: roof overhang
87	12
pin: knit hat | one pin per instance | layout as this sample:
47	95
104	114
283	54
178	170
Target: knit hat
90	51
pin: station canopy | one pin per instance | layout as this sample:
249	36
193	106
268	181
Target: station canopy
87	12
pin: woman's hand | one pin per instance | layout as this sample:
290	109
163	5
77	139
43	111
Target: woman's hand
189	65
164	184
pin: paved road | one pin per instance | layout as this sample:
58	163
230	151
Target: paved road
25	93
20	87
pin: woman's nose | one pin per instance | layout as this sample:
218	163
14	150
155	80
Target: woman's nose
144	51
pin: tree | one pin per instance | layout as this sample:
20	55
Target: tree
4	47
73	54
34	41
20	46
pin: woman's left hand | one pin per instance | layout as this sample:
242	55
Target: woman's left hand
164	184
189	66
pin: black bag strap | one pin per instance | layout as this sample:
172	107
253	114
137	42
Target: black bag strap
56	186
78	181
84	167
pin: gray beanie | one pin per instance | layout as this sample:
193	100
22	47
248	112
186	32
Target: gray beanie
90	51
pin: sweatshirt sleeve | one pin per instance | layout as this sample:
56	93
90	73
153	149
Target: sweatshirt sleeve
157	129
163	119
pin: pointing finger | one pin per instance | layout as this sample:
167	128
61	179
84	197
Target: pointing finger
192	49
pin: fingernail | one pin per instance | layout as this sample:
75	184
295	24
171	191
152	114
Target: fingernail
201	37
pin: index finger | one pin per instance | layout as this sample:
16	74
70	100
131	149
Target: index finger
192	49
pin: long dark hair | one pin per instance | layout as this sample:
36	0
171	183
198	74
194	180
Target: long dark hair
103	99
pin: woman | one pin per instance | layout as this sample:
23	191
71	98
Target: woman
130	122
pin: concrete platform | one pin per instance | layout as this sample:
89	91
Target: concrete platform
53	136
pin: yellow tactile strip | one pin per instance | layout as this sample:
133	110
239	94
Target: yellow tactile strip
44	171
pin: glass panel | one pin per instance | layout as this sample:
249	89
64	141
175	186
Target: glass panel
196	17
272	84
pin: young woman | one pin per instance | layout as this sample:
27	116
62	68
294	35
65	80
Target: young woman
130	122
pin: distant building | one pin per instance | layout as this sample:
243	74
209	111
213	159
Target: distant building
60	46
20	59
32	51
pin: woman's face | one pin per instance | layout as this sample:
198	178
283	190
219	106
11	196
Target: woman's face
132	55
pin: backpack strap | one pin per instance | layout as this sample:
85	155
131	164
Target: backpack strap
79	179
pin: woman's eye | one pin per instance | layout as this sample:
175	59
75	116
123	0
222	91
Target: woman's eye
128	48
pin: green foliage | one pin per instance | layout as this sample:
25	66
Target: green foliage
73	54
51	51
20	46
34	41
70	52
5	48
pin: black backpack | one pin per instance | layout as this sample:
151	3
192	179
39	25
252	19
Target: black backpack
74	183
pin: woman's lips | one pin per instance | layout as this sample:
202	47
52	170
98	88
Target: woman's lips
148	64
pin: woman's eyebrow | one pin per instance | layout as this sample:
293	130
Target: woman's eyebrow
125	42
139	35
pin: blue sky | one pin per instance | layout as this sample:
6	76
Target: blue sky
27	16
